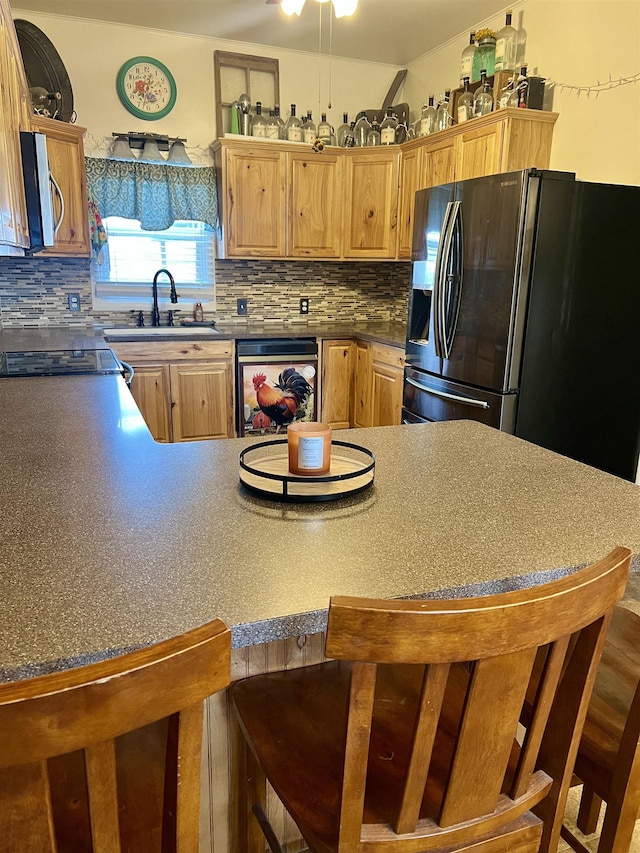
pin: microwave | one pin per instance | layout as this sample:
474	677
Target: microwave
39	186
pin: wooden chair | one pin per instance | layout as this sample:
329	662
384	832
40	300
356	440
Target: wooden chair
608	760
106	757
406	741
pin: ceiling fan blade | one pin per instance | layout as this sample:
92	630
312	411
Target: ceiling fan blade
273	2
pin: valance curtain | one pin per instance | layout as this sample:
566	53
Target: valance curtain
154	194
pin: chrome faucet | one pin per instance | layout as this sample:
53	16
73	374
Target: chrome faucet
155	313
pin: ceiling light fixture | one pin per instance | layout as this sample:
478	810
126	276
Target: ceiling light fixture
341	8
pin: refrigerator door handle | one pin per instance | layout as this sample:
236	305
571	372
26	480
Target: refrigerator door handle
452	283
469	401
438	289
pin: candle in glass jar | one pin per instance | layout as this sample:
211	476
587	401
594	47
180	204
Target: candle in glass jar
309	445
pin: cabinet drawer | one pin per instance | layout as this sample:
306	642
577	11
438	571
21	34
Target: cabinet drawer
149	351
391	356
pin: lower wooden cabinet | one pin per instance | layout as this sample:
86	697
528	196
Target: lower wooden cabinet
362	384
184	390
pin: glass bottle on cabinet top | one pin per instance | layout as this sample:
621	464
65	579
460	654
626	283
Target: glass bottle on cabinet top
293	127
276	114
465	103
343	130
373	137
466	60
483	98
259	122
485	55
272	129
506	46
427	118
443	116
388	128
349	140
309	129
361	130
324	130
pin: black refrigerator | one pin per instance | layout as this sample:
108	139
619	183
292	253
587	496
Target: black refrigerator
524	313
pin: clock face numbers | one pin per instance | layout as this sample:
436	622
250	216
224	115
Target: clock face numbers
146	88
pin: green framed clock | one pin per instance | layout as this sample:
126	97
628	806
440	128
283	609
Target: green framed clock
146	88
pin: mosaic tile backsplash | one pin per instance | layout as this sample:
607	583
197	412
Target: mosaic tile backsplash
34	291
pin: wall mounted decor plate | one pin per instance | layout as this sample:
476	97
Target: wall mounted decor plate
44	67
146	88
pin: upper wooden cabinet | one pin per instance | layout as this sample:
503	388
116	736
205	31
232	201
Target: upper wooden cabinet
65	151
370	202
15	110
315	205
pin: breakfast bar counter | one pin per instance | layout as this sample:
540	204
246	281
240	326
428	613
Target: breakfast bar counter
110	541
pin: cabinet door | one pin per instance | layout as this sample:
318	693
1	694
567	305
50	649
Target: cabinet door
254	203
439	161
65	151
362	413
202	400
387	378
150	390
371	204
411	180
478	151
337	383
315	206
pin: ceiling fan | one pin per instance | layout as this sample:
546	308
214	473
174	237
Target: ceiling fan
341	8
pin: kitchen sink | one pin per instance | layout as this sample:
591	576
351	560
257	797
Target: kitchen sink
133	333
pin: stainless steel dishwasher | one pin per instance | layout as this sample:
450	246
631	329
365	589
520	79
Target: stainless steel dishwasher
275	384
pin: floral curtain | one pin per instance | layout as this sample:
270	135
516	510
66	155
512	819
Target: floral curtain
154	194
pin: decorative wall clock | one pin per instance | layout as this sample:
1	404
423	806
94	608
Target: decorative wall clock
146	88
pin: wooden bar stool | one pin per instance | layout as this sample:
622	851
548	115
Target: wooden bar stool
406	740
106	757
608	761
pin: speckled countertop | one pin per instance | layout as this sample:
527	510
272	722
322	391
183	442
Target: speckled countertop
109	540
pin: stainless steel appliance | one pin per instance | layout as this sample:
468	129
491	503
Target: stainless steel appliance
275	383
523	313
39	186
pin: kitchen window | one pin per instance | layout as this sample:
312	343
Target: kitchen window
122	279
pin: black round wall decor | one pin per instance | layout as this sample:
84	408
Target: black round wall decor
43	66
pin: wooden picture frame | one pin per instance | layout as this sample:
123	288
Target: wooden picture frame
256	76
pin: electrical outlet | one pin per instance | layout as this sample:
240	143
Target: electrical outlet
242	306
73	301
304	305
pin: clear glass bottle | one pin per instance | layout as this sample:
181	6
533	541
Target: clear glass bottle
343	130
293	127
483	98
309	133
466	60
276	114
503	98
518	97
465	103
361	130
506	46
259	122
443	116
485	55
402	132
324	130
428	118
272	130
373	137
350	140
388	128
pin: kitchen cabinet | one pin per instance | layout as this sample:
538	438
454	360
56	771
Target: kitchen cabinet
65	150
387	378
411	180
184	389
370	202
337	383
315	205
362	387
15	111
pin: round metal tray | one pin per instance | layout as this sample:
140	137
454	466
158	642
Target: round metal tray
264	470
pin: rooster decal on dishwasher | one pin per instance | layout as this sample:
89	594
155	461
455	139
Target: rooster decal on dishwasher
282	402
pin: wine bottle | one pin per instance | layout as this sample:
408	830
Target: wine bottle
465	103
309	129
443	116
388	128
466	60
428	118
343	130
506	46
293	126
259	122
361	130
324	130
483	98
272	129
276	114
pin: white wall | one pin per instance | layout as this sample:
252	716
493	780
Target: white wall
93	52
577	42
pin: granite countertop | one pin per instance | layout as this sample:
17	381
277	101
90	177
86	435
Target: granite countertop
111	541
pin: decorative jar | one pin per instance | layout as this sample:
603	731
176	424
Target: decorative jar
485	55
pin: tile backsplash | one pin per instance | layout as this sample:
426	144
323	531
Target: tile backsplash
34	291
